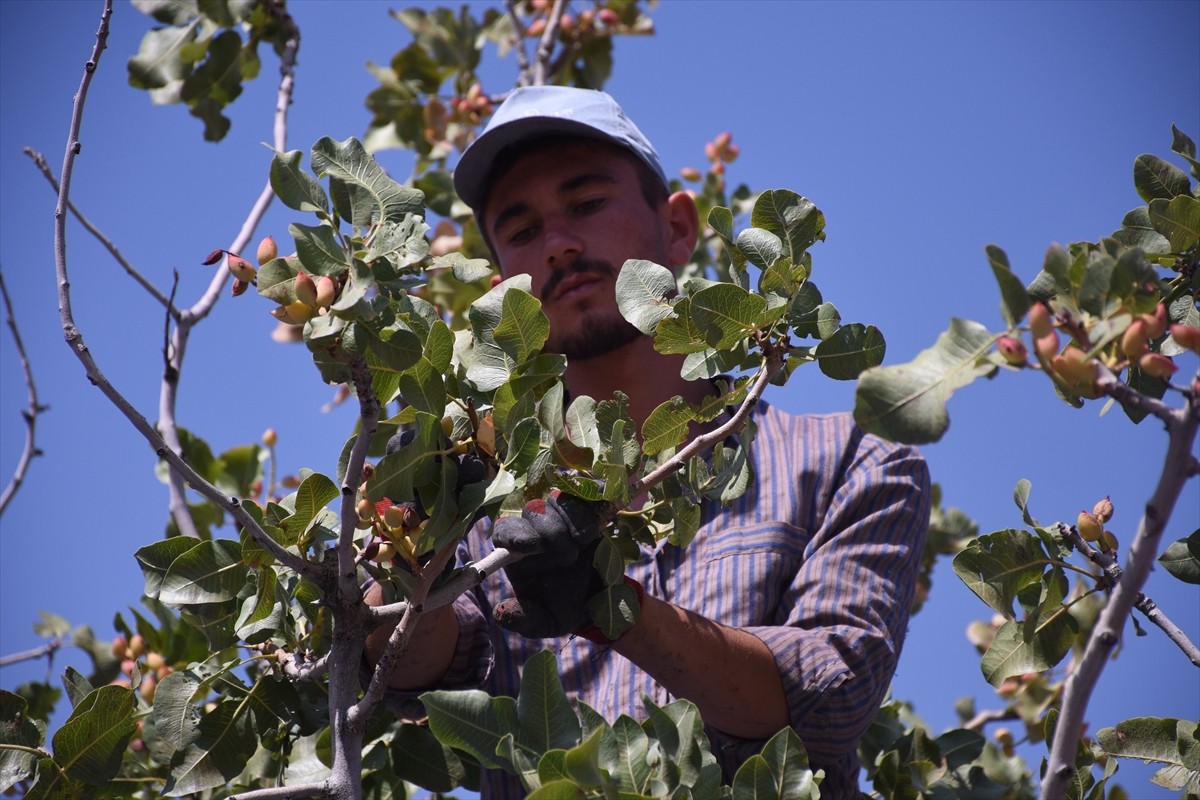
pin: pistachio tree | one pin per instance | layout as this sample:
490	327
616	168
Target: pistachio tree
241	674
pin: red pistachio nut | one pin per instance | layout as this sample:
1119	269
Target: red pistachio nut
1013	350
1156	323
270	437
1135	340
1186	336
267	250
1039	321
296	313
305	288
1103	510
326	292
1089	526
1046	346
238	287
609	17
1157	364
212	258
689	174
241	268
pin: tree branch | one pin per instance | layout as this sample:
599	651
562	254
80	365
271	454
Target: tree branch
402	634
34	653
40	162
29	451
1108	382
545	46
524	74
1113	572
1181	426
75	340
284	792
190	317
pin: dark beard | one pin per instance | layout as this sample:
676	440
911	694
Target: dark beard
604	334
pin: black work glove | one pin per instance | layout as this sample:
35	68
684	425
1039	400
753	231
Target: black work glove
555	581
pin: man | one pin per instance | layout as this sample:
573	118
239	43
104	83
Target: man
790	606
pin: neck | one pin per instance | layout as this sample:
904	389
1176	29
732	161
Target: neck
649	378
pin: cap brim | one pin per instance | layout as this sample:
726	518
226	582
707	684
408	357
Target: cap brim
479	161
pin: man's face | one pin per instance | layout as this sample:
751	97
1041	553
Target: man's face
570	216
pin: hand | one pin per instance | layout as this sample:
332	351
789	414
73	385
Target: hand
555	579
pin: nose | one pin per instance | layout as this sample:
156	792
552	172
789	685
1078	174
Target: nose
561	244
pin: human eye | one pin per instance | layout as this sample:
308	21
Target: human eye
589	204
520	234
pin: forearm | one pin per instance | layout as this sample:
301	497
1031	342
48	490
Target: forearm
430	650
729	674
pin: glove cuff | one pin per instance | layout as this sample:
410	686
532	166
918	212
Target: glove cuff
592	632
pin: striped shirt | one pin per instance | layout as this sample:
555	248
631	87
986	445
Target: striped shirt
818	560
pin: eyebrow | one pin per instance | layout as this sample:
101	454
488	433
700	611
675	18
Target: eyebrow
569	185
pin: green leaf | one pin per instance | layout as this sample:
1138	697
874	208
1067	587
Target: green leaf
907	402
295	188
1138	231
523	328
262	612
1182	144
91	743
854	348
582	763
997	566
1021	498
1154	178
794	219
319	250
667	425
643	292
158	62
314	493
1014	299
781	772
679	334
420	758
225	742
471	721
624	756
1016	650
544	715
960	747
724	313
1177	219
174	716
375	197
1173	742
155	559
17	728
754	781
614	609
77	686
210	572
760	247
1182	558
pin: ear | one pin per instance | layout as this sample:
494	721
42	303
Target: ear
683	226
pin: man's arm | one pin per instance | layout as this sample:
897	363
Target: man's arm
729	674
430	650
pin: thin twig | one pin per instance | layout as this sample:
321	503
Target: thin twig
35	653
1182	425
995	715
401	635
168	393
1108	382
29	451
75	340
545	46
1113	572
524	76
40	161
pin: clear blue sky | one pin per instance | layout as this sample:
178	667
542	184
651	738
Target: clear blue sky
924	131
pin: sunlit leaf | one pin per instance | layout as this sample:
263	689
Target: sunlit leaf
907	402
1014	299
854	348
996	566
91	743
1182	558
523	328
643	291
296	188
1177	219
1174	743
210	572
1155	178
374	195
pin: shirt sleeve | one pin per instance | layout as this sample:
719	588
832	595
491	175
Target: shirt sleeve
845	613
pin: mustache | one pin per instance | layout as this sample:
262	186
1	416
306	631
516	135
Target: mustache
578	267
